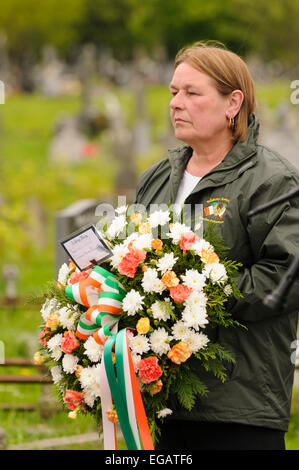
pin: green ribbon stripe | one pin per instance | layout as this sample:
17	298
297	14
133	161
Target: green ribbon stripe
117	386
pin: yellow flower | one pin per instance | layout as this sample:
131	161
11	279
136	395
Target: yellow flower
143	325
38	359
136	218
112	415
72	414
78	371
144	228
179	353
52	321
170	279
157	244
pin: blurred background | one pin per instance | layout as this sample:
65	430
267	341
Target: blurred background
85	110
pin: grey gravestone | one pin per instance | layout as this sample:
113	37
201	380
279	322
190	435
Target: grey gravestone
10	274
71	219
2	439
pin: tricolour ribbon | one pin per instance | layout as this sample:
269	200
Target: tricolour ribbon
102	293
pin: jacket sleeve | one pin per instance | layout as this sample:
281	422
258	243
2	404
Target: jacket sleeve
274	239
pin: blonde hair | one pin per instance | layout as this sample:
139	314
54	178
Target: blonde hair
228	71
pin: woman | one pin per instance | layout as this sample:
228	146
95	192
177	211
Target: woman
222	167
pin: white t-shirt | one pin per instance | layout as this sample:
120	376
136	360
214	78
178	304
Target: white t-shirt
187	185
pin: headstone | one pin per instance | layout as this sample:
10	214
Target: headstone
68	143
2	439
279	130
122	148
90	120
71	219
48	404
10	273
50	73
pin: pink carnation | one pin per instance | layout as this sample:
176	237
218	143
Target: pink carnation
73	399
77	277
187	240
69	342
180	293
43	336
149	369
130	262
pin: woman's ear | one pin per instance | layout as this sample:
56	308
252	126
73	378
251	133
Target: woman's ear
236	99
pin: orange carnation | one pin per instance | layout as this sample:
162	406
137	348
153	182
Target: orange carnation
170	279
155	387
157	244
209	257
52	321
179	353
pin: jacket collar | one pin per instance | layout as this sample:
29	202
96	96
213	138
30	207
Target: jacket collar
239	153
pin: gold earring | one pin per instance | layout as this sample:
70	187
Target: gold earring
231	123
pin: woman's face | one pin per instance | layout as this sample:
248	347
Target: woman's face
198	111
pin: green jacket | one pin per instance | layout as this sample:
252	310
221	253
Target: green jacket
259	386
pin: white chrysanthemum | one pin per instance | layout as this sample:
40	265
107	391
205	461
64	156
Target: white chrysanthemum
216	272
228	290
136	358
177	230
159	341
158	286
143	241
163	413
95	389
68	316
132	302
161	310
48	307
195	317
90	381
56	353
89	397
139	344
121	210
93	350
63	273
119	251
196	300
55	341
194	279
56	373
69	363
202	244
180	331
166	263
149	280
196	341
158	217
87	377
117	226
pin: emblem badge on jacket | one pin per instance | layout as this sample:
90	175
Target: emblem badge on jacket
214	209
